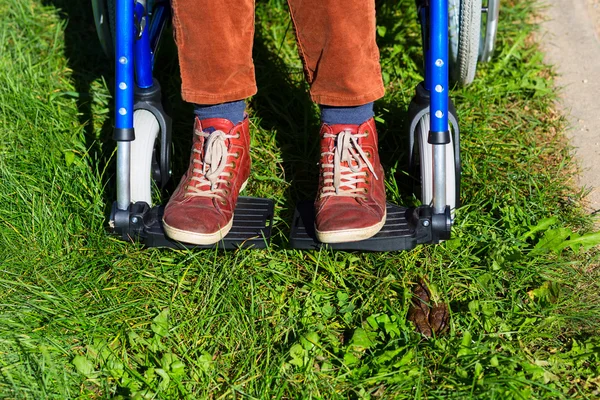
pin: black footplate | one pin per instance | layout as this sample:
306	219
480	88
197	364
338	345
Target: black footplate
252	223
404	229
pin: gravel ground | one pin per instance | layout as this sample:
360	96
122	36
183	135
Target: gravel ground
571	40
594	7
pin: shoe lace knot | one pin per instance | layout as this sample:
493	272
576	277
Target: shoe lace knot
349	161
209	170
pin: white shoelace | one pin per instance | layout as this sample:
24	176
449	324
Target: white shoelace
212	167
344	179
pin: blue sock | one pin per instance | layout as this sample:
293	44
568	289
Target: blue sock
233	111
346	115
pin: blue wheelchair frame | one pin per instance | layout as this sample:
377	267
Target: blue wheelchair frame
139	25
137	37
437	78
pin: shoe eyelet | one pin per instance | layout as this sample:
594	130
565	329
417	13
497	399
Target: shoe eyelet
367	133
233	164
223	202
368	153
236	155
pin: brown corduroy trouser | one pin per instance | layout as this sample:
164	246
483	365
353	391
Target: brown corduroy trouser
336	41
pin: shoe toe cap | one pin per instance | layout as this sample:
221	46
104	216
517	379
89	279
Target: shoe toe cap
342	218
197	219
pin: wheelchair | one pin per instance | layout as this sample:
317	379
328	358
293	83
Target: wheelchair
456	35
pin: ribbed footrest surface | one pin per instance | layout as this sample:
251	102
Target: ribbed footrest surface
252	222
403	230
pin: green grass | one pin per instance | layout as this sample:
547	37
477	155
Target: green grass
85	315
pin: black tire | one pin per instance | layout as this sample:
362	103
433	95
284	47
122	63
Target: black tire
465	38
104	19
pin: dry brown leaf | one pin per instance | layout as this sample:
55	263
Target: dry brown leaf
428	317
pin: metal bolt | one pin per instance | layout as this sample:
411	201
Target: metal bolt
425	223
122	86
122	111
135	220
439	88
123	60
439	114
439	62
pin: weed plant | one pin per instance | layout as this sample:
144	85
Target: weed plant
84	315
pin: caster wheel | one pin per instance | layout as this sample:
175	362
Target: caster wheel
143	156
423	172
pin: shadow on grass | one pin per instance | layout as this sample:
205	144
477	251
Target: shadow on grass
283	105
401	49
88	64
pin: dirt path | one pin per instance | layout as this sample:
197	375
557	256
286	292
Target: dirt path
571	40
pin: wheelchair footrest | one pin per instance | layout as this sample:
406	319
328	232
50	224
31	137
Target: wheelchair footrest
252	223
404	229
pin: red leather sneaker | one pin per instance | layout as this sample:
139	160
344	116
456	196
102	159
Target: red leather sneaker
350	204
200	210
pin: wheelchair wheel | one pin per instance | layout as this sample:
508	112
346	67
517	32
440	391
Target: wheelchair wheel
104	18
490	26
143	156
465	36
425	166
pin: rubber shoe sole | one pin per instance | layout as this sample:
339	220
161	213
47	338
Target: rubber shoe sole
350	235
195	237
